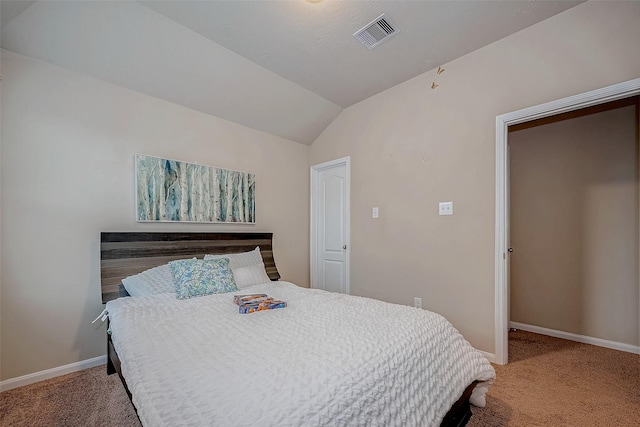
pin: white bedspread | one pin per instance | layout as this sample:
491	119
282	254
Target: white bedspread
325	360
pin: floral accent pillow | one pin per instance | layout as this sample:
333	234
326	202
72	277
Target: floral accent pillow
196	277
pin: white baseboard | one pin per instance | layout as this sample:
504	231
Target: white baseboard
490	356
51	373
629	348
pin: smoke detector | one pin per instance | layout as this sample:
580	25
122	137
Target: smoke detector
376	32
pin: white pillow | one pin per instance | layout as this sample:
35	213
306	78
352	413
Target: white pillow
251	275
248	267
157	280
243	259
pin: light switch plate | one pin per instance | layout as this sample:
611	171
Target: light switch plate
374	213
445	208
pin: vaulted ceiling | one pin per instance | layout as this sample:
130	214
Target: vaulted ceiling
284	67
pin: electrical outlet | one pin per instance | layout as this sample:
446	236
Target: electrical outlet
445	208
417	302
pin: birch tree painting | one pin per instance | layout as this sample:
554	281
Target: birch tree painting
170	190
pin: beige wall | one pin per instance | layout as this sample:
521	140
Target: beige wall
412	147
574	226
67	174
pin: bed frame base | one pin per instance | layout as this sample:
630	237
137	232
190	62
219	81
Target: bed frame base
114	367
460	412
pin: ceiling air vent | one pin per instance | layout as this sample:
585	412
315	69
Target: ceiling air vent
376	32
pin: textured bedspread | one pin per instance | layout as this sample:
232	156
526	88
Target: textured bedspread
325	360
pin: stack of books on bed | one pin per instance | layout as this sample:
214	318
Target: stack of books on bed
257	302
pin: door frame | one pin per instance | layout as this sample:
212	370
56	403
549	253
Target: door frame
576	102
315	171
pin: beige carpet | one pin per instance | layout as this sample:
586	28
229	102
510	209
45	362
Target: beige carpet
85	398
549	382
555	382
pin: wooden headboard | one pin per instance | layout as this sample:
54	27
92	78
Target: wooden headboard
128	253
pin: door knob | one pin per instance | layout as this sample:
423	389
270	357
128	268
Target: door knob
510	250
344	246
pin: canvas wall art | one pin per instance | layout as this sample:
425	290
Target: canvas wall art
171	190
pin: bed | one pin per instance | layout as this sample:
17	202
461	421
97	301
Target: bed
325	359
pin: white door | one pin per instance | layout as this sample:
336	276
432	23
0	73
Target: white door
330	226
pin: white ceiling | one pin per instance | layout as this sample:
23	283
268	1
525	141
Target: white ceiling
284	67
